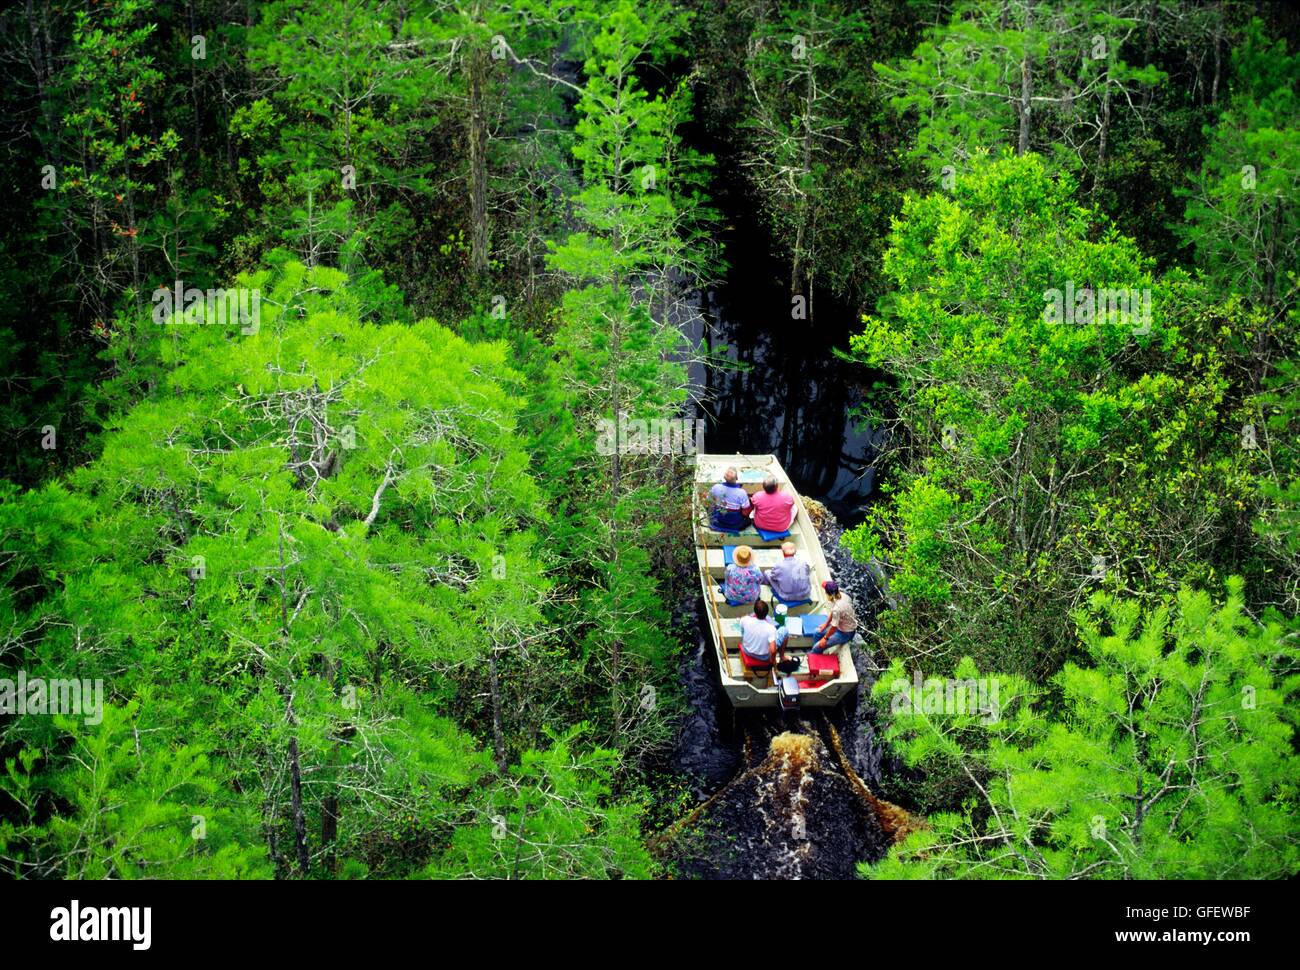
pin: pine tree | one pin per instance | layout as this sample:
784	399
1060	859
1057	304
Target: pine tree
1169	757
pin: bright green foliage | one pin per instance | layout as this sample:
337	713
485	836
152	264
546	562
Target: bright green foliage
325	546
132	808
1278	443
1044	457
549	820
337	148
371	596
1170	756
1005	407
621	355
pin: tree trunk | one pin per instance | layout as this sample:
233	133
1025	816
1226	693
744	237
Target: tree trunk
801	203
616	352
273	841
194	79
1218	53
1104	131
616	648
1026	87
478	164
498	735
43	69
1147	43
1270	257
295	795
329	831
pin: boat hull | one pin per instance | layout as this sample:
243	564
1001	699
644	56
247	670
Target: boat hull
742	690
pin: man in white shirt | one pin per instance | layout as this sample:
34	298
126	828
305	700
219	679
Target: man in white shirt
759	638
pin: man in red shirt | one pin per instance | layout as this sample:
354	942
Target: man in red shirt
774	510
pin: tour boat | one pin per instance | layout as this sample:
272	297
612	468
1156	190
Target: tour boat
820	680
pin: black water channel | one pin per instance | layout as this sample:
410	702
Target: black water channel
776	802
779	388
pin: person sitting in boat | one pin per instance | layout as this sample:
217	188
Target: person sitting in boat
773	510
841	625
730	502
791	578
760	640
743	582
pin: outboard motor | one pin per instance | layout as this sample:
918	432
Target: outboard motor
787	689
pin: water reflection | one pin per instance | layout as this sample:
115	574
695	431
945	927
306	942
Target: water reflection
784	393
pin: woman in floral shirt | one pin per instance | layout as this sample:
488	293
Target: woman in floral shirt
743	581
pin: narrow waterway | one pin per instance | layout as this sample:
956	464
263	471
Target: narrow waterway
772	796
778	388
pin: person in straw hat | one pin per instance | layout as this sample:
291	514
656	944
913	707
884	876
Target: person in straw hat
743	581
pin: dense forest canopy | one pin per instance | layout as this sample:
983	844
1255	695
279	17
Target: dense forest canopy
316	315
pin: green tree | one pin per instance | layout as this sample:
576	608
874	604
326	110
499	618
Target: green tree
318	550
800	74
1242	216
1168	756
338	149
1022	74
617	360
552	817
1038	456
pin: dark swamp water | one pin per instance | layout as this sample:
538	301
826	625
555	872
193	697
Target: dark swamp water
772	797
773	801
783	391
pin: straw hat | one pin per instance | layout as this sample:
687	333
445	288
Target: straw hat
742	555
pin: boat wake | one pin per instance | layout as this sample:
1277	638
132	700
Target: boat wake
792	814
779	796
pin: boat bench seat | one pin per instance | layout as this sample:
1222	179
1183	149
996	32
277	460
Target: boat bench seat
814	672
763	559
735	668
725	610
746	537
